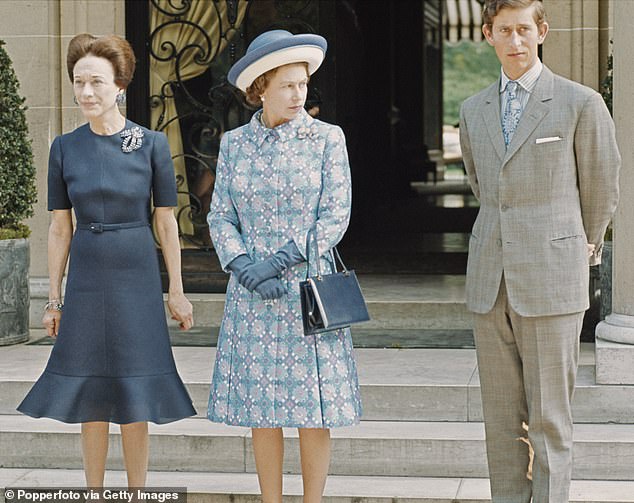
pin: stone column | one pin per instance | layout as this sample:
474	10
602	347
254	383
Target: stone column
29	30
576	46
615	336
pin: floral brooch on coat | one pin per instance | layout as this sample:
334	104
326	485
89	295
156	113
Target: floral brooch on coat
311	132
132	139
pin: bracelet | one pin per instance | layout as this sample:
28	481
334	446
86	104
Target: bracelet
54	305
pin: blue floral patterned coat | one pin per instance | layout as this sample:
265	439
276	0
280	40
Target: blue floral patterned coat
272	186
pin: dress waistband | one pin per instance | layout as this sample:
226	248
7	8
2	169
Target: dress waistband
98	227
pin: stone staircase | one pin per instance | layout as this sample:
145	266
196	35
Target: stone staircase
423	301
421	439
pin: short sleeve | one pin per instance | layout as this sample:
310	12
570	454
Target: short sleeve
57	191
163	177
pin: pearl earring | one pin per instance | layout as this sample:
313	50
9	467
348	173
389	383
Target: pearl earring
262	98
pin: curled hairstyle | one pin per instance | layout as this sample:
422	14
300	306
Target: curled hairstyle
259	85
255	90
115	49
493	7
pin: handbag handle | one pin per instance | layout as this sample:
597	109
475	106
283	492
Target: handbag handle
334	255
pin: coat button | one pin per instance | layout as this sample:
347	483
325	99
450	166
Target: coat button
504	207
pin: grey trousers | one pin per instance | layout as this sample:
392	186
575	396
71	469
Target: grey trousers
527	367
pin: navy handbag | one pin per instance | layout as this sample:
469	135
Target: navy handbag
330	301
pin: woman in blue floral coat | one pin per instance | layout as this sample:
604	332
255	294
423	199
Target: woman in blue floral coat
277	177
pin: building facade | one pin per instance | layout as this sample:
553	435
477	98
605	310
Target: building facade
401	48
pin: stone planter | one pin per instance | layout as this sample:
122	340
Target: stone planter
14	291
605	270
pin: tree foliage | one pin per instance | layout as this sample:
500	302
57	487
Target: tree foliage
469	67
17	171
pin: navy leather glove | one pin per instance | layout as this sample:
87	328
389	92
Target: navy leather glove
270	289
282	259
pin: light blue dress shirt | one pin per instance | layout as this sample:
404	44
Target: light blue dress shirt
526	85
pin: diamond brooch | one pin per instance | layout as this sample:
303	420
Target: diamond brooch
132	139
305	131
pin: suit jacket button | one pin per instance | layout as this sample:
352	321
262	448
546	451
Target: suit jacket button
504	207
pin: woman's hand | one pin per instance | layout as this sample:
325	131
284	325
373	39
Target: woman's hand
270	289
255	274
181	310
60	233
167	229
51	320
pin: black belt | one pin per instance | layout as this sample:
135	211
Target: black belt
98	227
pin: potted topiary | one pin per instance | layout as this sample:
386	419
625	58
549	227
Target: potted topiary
17	196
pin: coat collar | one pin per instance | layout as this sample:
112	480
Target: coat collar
300	127
537	107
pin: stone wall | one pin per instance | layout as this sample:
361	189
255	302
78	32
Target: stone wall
37	33
577	46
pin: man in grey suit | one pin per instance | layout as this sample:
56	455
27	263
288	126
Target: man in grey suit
542	159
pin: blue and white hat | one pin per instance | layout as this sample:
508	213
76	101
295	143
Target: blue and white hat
276	48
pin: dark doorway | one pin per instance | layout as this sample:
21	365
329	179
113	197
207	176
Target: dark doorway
389	103
381	82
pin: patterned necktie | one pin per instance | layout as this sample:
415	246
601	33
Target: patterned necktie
512	112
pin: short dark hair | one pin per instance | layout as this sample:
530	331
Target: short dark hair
115	49
493	7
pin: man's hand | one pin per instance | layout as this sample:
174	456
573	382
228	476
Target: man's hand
591	249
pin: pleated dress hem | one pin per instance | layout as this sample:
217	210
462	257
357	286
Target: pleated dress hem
159	399
247	424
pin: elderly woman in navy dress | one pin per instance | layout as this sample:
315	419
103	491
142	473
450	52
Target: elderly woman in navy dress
278	176
112	360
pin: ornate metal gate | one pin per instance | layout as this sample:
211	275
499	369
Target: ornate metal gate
188	48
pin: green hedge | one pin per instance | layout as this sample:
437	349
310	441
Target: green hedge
17	171
468	68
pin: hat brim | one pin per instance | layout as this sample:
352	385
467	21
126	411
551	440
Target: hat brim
306	48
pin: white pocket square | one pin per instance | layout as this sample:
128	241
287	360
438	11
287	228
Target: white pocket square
549	139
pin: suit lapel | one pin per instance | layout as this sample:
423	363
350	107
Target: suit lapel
491	117
537	108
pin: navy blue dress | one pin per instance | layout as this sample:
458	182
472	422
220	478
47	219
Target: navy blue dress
112	360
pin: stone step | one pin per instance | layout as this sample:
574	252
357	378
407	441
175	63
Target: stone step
395	302
396	385
374	338
216	487
373	448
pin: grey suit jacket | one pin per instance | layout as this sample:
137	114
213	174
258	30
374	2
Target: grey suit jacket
541	201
